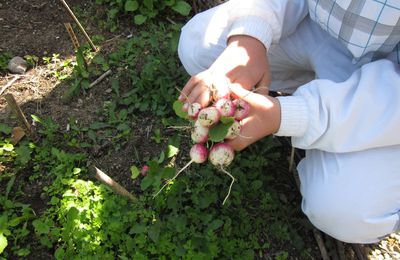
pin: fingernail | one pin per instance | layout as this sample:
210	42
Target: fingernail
180	97
185	106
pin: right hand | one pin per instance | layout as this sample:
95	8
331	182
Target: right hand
264	118
243	62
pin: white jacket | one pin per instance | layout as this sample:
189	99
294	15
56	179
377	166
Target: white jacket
359	113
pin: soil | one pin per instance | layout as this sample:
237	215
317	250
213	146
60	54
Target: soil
36	27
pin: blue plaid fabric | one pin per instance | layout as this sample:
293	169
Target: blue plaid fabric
368	28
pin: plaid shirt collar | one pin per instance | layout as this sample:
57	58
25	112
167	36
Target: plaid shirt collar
368	28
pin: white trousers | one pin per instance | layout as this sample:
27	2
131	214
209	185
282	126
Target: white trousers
355	196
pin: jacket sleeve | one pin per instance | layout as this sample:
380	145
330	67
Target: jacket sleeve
266	20
360	113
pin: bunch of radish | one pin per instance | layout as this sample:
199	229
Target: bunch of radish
220	154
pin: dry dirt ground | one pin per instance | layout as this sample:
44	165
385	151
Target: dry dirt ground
35	27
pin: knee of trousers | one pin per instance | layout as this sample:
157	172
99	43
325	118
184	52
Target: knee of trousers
201	41
340	218
192	50
348	202
186	50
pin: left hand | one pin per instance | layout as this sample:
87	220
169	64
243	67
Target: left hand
243	62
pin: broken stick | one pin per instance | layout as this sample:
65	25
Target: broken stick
9	84
18	112
97	81
115	186
72	35
78	24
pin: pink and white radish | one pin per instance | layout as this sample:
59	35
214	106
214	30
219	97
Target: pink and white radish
221	155
242	109
222	92
194	110
144	170
198	154
208	116
220	88
225	106
234	130
199	133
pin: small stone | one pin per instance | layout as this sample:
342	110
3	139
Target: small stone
17	65
108	91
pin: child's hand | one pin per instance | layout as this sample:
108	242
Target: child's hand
263	119
243	62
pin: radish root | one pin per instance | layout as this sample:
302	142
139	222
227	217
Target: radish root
230	186
173	178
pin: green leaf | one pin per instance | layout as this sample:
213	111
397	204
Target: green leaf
169	2
154	232
172	151
168	172
257	184
138	229
216	223
177	106
3	242
182	8
5	129
148	4
179	222
37	119
218	132
10	184
140	19
134	172
162	157
146	182
131	6
227	120
23	153
40	227
98	125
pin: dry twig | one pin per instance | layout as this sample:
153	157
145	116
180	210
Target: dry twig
115	186
99	79
321	244
79	25
9	84
340	249
18	112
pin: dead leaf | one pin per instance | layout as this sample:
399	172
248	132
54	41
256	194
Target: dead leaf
17	134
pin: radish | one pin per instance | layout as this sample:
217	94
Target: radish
208	116
198	154
220	93
242	109
220	88
221	155
194	110
225	106
144	170
199	133
234	130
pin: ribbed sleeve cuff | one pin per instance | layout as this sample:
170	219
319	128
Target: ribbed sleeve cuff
253	26
294	116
